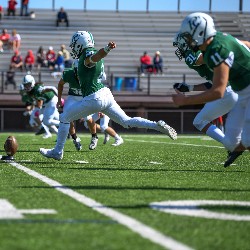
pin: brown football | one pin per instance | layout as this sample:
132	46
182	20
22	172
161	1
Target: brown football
10	145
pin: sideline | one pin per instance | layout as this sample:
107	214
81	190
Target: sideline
131	223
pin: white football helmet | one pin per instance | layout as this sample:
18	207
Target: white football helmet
181	45
196	28
79	41
28	82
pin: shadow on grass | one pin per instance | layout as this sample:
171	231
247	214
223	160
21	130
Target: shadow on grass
152	188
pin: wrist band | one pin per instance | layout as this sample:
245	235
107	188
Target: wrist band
107	49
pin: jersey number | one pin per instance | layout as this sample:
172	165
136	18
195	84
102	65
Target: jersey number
216	58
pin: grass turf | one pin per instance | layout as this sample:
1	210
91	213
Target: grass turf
146	168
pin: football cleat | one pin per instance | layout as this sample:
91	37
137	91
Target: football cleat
166	129
50	153
106	138
93	143
77	144
118	142
40	131
232	156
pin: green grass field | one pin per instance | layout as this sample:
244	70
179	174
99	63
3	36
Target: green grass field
112	198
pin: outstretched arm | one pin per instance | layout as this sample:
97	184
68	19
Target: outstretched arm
100	54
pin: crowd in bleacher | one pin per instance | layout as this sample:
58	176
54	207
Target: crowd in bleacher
54	60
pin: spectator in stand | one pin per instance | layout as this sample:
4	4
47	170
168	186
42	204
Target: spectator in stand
29	61
1	12
10	78
24	7
51	58
40	58
146	63
66	55
15	40
62	17
4	40
16	61
11	10
59	63
158	62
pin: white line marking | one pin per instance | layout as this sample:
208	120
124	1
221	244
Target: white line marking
134	225
191	208
177	143
155	162
37	211
83	162
8	211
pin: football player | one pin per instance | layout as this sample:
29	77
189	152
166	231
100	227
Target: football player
211	110
229	59
49	98
96	97
33	108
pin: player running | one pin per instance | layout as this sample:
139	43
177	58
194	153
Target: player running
229	59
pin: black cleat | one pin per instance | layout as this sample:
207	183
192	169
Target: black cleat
232	156
40	131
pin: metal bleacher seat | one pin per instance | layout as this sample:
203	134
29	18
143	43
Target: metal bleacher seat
134	32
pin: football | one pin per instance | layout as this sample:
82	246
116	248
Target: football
10	145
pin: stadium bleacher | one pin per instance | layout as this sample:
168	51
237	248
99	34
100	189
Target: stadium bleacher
133	31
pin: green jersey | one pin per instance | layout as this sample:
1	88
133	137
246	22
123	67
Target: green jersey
38	94
90	77
226	48
74	85
26	98
203	70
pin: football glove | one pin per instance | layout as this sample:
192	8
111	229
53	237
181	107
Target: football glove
182	87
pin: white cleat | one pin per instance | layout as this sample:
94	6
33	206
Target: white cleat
47	136
77	144
166	129
106	138
93	143
50	153
118	142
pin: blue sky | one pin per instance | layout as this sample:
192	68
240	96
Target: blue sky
126	5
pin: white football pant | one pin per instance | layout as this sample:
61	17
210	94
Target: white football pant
100	101
237	127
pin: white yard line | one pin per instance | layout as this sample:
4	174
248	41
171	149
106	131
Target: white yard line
175	143
131	223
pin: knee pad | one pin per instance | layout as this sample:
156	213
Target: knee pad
103	128
199	123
